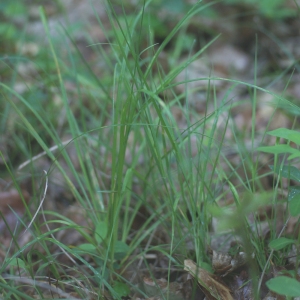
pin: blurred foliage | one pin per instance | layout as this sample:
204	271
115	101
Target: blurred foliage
160	15
10	13
271	9
15	14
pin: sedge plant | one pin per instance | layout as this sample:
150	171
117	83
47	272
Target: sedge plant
130	153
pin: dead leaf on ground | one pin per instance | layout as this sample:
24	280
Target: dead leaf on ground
242	286
212	286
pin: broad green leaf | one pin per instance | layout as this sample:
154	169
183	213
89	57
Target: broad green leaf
7	30
280	243
278	149
288	134
14	9
284	286
121	250
100	232
121	289
294	206
293	192
290	172
121	247
17	262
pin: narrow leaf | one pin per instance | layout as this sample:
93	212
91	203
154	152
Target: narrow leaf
288	134
295	155
280	243
278	149
86	248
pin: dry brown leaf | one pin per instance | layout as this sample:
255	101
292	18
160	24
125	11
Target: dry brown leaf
213	287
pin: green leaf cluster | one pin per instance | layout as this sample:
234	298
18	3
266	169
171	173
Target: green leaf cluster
120	250
287	171
284	285
8	11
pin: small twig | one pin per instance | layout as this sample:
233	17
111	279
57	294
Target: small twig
41	202
52	149
46	224
42	284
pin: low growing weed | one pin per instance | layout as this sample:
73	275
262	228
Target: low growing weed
131	156
284	285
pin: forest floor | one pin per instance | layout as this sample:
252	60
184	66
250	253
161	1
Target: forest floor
126	175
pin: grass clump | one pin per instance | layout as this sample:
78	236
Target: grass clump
113	149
